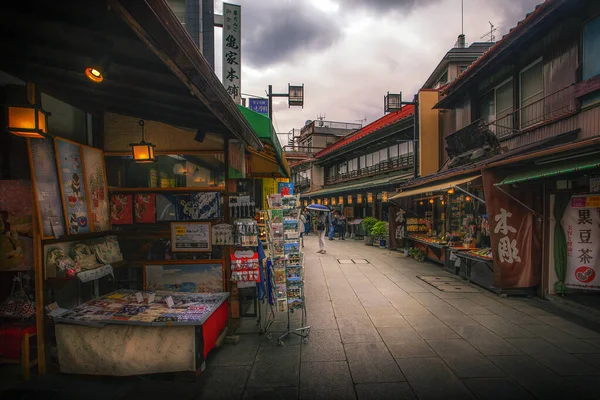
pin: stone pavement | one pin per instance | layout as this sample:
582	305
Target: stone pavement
379	332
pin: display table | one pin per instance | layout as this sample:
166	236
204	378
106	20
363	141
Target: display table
116	335
433	251
479	270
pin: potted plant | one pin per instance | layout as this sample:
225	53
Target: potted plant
367	224
379	231
417	254
406	251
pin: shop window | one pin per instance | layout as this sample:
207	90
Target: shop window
463	114
591	44
393	151
383	155
376	158
591	57
532	91
497	107
169	171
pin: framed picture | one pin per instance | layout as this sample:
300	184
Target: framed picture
192	276
72	186
96	188
145	208
121	209
46	187
191	237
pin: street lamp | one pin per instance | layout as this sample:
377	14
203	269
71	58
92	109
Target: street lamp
393	102
295	97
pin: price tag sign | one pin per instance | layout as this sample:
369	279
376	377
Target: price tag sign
139	297
169	301
151	296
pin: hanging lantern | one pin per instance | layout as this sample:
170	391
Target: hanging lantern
305	203
27	119
326	201
359	199
318	201
313	201
430	201
369	198
384	197
421	203
341	201
468	198
451	191
143	152
333	201
349	199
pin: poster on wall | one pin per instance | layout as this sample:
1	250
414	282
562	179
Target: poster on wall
193	237
145	208
121	209
185	276
285	188
46	187
96	188
581	223
16	233
70	176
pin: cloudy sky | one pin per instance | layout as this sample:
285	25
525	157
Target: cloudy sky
349	53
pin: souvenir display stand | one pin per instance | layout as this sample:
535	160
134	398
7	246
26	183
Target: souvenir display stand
131	332
109	243
450	225
285	271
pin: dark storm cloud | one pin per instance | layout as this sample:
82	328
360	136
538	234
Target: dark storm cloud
513	11
277	31
386	5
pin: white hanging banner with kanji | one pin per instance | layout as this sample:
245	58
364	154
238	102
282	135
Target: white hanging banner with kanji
581	223
232	51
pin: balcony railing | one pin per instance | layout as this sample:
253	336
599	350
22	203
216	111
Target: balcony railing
301	183
547	109
384	166
329	124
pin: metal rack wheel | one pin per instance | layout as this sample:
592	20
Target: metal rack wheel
269	335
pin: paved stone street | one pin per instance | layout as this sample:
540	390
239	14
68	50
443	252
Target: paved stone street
380	332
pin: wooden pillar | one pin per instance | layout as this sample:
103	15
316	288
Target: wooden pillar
39	288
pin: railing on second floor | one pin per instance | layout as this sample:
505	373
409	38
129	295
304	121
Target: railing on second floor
329	124
551	107
295	150
301	183
393	164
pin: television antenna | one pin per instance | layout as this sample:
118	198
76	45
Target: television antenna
491	33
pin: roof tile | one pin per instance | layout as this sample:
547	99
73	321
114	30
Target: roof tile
374	126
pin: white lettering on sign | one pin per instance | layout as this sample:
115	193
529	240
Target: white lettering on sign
507	248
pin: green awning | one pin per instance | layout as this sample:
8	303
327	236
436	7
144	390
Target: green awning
362	184
265	132
551	170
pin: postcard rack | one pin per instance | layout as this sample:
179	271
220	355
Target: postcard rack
285	272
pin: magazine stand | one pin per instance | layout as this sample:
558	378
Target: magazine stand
285	271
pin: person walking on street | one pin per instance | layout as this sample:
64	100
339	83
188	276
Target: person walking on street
307	224
302	227
332	223
341	226
321	225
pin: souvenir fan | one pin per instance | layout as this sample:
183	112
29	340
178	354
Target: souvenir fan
84	256
64	264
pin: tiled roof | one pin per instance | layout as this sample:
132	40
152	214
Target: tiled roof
500	45
374	126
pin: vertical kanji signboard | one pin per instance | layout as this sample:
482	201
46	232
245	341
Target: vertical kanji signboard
581	224
232	51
